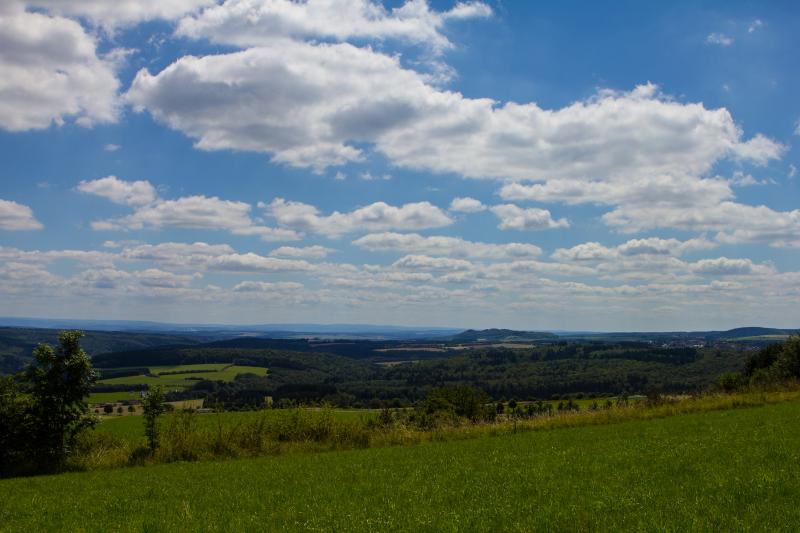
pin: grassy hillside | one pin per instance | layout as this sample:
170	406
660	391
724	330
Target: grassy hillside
724	470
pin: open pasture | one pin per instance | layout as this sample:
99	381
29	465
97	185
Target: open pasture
112	397
731	470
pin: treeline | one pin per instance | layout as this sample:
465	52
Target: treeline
258	348
773	364
225	349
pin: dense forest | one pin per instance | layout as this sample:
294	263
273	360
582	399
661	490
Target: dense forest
544	372
17	344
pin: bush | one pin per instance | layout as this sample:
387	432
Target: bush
94	449
139	456
732	381
180	440
461	402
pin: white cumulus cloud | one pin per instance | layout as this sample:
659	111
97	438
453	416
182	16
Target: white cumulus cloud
50	72
267	287
250	262
14	217
413	243
374	217
723	266
112	14
466	205
248	23
312	252
187	212
517	218
426	263
119	191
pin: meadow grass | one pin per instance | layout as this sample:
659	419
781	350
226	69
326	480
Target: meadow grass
188	368
119	442
131	428
724	470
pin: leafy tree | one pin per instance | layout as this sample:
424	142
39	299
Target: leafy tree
152	407
788	362
60	380
16	425
464	402
773	363
763	358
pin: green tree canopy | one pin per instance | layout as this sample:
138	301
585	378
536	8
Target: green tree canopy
60	380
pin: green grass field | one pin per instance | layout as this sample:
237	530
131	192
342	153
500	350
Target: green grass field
188	376
732	470
112	397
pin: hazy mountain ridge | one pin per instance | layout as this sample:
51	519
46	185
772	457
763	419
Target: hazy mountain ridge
501	335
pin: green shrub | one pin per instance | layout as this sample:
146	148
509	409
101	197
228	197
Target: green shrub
152	407
732	381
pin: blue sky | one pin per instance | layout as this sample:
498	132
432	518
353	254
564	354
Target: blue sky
570	165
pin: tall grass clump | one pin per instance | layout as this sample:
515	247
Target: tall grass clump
184	438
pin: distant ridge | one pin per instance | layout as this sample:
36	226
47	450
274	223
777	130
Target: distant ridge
500	335
235	330
751	332
730	334
372	331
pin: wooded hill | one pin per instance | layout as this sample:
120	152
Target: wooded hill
308	373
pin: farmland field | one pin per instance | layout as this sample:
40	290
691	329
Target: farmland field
728	470
184	376
112	397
